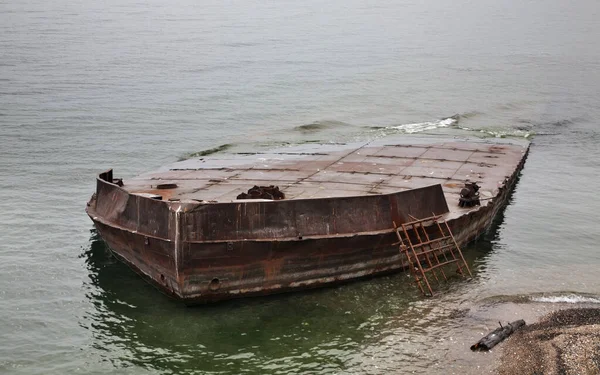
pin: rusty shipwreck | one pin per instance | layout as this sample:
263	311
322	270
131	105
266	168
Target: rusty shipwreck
190	229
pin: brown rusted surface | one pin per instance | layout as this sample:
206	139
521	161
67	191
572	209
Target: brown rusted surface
197	242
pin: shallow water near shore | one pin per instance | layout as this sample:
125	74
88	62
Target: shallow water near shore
132	86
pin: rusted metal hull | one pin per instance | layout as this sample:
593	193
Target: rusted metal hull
202	252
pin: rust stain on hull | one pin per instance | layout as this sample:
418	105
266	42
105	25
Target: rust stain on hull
198	243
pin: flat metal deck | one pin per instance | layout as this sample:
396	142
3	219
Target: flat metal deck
337	170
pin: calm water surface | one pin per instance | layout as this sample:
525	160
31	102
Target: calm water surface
132	85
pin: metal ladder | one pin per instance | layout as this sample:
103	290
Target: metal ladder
429	251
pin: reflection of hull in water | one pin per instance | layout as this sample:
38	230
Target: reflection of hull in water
334	225
135	328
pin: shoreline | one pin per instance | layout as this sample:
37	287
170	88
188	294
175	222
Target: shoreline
549	324
566	341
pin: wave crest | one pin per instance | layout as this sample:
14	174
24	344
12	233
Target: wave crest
566	298
429	125
319	125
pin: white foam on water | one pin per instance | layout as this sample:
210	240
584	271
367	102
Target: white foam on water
424	126
504	133
501	133
569	298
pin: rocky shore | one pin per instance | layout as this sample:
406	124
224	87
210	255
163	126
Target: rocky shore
562	342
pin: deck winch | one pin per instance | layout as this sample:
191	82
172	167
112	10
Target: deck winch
469	195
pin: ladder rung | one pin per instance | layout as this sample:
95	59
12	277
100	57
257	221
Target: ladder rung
440	265
447	238
432	250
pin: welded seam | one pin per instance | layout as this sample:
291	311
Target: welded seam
334	162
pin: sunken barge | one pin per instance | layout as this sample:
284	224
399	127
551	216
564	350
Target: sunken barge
328	215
